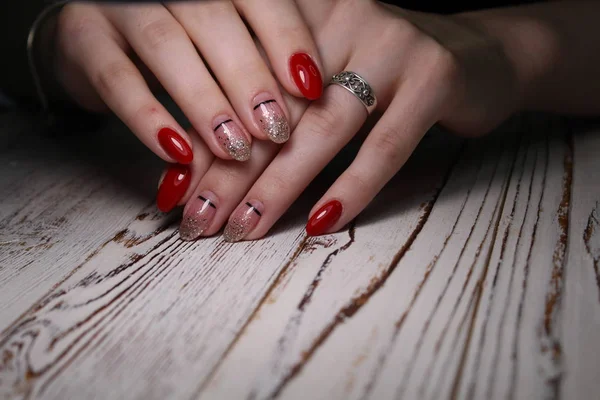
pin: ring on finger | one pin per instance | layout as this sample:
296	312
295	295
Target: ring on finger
358	86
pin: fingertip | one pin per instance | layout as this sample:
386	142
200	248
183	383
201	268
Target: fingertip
175	145
271	119
243	221
173	186
324	218
306	75
198	215
235	143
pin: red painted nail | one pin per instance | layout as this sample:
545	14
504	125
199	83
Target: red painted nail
173	187
175	146
306	75
324	219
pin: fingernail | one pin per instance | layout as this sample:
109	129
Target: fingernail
306	75
197	216
173	186
243	221
175	146
272	120
231	137
324	218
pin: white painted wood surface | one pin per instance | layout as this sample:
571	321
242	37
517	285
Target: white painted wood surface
475	274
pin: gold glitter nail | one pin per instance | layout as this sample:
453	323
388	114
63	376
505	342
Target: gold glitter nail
197	217
272	120
233	140
238	149
241	223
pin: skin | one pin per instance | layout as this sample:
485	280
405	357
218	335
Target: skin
467	72
111	56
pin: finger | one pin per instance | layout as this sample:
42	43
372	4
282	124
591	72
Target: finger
237	64
225	184
417	105
163	45
121	86
384	152
325	128
220	190
288	43
73	19
177	182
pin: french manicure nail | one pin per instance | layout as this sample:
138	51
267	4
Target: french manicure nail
324	218
306	75
198	215
175	146
173	186
232	138
243	221
272	120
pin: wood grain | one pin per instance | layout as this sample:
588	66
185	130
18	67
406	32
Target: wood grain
474	274
581	314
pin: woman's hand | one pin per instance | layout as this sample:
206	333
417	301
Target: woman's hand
107	53
422	68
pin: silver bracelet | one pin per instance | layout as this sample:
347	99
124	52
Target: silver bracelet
42	97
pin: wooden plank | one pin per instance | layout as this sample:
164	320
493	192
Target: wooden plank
146	315
476	312
474	274
64	198
580	353
110	258
517	319
335	344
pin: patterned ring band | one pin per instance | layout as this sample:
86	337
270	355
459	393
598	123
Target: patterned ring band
356	85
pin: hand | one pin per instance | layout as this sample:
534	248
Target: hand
423	69
107	54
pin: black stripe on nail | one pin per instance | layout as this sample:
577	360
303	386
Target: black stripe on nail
254	209
210	203
222	123
264	102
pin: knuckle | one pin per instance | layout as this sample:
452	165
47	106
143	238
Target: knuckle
358	181
73	24
160	32
446	68
323	121
201	95
386	143
147	112
291	32
113	76
249	71
277	185
401	29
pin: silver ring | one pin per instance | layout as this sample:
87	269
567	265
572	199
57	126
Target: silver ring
356	85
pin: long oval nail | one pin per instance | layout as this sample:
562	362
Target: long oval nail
272	120
324	218
198	215
306	75
232	138
175	146
173	187
243	220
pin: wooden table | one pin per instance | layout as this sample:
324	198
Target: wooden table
475	274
